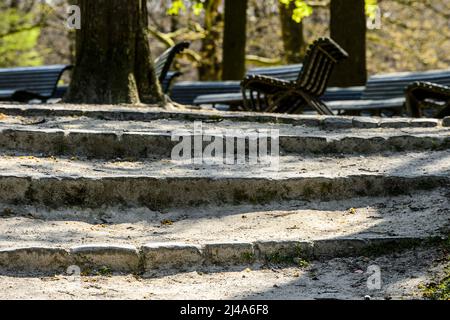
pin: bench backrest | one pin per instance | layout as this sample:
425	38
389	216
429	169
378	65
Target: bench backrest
320	59
287	72
164	61
393	85
40	80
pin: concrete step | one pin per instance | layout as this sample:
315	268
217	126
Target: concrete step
151	113
124	139
140	240
59	182
401	275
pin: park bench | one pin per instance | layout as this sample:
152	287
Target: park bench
40	83
425	96
28	83
234	101
170	77
165	85
164	62
268	94
187	92
386	92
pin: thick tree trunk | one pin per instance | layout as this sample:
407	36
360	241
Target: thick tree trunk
293	38
113	60
234	40
348	29
210	65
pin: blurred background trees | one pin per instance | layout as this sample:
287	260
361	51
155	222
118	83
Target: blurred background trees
414	34
21	23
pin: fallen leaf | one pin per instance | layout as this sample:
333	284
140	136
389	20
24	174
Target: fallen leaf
167	222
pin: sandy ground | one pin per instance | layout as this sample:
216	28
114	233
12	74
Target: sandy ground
400	276
402	164
417	215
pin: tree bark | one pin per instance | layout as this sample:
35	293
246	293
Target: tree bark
293	38
234	40
210	65
348	29
113	58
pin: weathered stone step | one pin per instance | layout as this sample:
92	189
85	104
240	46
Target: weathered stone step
341	278
154	257
36	239
167	184
151	113
153	140
418	215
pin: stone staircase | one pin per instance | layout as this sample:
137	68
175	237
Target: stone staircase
95	187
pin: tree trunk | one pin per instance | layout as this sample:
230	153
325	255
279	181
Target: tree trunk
113	60
210	65
348	29
234	40
293	39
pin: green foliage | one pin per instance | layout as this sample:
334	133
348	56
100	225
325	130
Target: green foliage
301	10
177	7
439	289
371	8
197	8
18	39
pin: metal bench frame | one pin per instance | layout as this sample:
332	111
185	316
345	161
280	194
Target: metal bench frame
164	62
420	94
